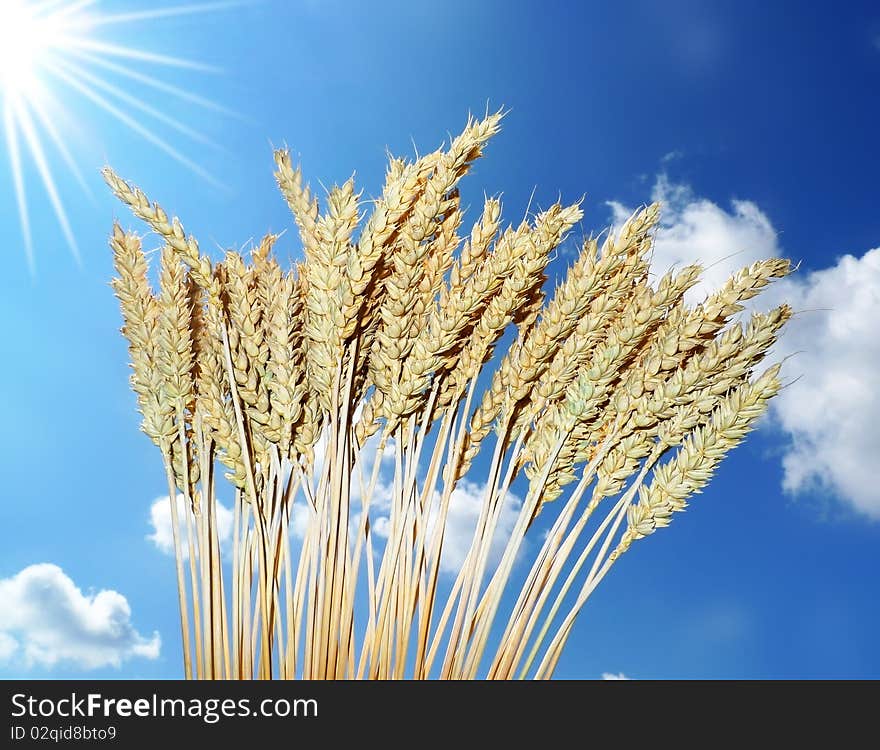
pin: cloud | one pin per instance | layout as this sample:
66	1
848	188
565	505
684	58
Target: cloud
829	417
46	620
160	520
8	646
696	229
465	504
301	514
832	412
300	517
464	509
461	522
612	676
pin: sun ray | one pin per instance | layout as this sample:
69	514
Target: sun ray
118	50
23	117
138	104
47	5
46	121
18	182
154	83
74	7
50	45
176	10
141	130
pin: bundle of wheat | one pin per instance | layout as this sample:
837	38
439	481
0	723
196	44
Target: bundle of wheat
299	381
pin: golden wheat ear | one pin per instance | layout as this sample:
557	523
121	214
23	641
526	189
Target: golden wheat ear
348	397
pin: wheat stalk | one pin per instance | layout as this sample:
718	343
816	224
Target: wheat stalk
348	399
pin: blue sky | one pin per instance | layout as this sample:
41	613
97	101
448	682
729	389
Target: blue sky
754	121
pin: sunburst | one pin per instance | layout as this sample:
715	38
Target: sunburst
47	45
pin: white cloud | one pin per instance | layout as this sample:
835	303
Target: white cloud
8	646
301	514
465	504
612	676
696	229
831	414
464	508
160	520
45	619
300	517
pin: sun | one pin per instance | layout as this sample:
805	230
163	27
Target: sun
26	39
47	45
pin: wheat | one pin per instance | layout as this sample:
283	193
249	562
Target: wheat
611	384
